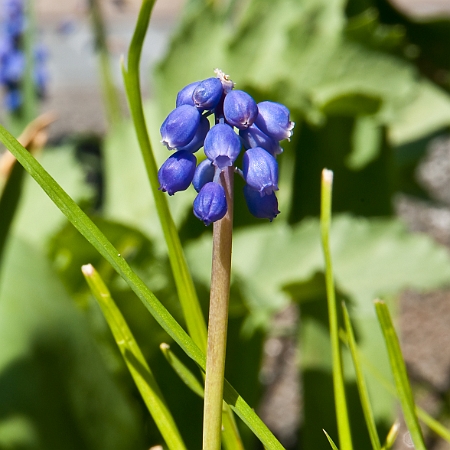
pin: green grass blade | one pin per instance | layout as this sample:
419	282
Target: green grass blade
345	439
391	436
333	445
192	312
98	240
433	424
188	378
362	388
429	421
135	361
400	375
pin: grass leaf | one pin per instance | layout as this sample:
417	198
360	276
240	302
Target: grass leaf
362	388
400	375
186	291
135	361
345	439
188	378
333	445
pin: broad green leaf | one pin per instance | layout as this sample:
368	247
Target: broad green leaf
427	112
37	217
318	62
56	391
372	258
366	141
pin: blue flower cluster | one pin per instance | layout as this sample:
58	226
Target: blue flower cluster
260	128
12	56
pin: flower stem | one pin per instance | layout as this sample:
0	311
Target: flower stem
218	320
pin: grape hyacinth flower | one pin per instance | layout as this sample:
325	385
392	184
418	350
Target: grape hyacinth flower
238	122
12	56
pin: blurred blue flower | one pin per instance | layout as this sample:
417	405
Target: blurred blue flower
12	55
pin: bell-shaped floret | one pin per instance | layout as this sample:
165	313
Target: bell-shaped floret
204	173
265	207
177	172
222	145
184	97
273	120
207	94
210	204
254	137
260	170
240	109
199	137
180	126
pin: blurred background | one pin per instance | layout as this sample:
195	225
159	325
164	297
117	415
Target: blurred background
368	85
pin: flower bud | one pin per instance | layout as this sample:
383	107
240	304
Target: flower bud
240	109
177	172
260	170
207	94
265	207
273	120
210	204
254	137
199	137
204	173
222	145
180	126
184	97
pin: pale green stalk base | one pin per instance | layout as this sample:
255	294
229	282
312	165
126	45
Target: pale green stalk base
345	440
218	320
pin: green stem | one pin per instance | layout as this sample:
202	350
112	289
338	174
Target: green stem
185	287
345	441
218	320
110	93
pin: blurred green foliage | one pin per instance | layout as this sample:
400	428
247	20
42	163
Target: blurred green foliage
368	90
